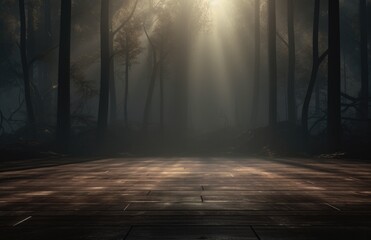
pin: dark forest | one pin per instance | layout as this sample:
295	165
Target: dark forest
248	100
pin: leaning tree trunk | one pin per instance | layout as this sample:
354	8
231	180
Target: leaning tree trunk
105	69
25	69
272	63
291	100
256	87
364	60
63	109
334	81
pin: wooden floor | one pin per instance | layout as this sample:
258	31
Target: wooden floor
185	198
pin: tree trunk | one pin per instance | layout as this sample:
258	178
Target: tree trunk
272	63
63	110
161	79
364	60
291	99
147	109
345	75
25	69
317	97
181	86
112	83
334	81
47	19
127	69
256	87
31	46
315	65
46	84
105	69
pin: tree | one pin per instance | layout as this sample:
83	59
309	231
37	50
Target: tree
128	48
63	109
105	68
112	82
334	77
25	69
317	60
256	87
112	85
364	60
190	19
161	44
272	63
291	99
151	87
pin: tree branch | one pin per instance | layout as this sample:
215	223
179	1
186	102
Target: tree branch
127	19
282	39
149	39
322	57
348	97
317	122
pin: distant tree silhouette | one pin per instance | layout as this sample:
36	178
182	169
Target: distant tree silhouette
364	59
317	60
105	68
334	86
112	84
24	59
63	108
256	80
272	29
128	48
291	99
151	87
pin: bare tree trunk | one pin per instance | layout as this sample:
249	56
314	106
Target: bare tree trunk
112	84
364	60
272	63
30	46
345	76
256	87
25	69
105	69
291	99
181	86
315	65
63	111
317	106
47	19
46	83
334	81
161	79
147	109
127	69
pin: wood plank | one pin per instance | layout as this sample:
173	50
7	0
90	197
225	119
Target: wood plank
187	198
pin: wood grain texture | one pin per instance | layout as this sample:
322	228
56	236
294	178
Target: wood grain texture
185	198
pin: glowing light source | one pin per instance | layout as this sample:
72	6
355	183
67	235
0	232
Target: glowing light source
214	3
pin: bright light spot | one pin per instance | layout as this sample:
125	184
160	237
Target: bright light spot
214	3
